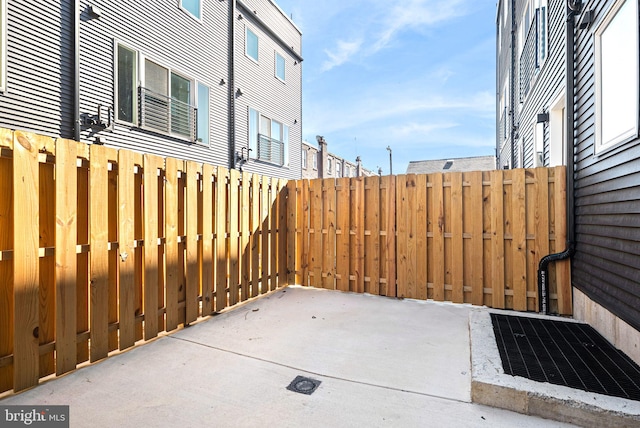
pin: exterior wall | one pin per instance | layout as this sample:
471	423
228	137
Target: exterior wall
143	26
606	266
261	89
546	86
40	95
323	156
310	152
40	63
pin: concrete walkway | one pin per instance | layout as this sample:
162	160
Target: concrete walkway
382	362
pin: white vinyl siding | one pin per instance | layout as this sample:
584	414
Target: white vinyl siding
617	76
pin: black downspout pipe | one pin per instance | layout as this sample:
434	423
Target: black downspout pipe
232	85
76	78
512	84
543	267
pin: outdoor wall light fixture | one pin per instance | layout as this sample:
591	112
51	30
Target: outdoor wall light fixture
295	121
222	82
239	93
543	117
94	11
239	16
587	19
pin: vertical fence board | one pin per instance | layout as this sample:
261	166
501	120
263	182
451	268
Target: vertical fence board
294	234
342	233
221	238
6	266
372	235
151	266
99	280
315	246
273	229
519	240
25	261
421	258
172	247
497	239
388	220
457	245
283	232
477	239
357	225
245	254
82	262
256	228
541	213
193	268
401	244
306	242
47	266
234	236
265	206
563	268
329	233
208	260
66	240
437	213
126	248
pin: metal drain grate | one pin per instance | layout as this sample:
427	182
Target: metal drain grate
304	385
564	353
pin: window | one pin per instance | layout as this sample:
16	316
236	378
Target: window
541	20
268	139
280	66
203	114
315	160
303	154
3	45
617	76
328	166
194	7
126	76
167	100
252	45
338	169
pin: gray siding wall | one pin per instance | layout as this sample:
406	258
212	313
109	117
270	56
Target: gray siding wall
264	92
169	36
39	92
606	266
547	83
503	74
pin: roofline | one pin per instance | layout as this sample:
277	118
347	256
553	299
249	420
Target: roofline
285	15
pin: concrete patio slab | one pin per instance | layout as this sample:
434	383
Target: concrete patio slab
381	361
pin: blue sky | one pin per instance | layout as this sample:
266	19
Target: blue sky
417	75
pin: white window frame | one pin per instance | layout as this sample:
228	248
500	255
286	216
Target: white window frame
136	74
3	45
198	84
197	18
304	155
284	67
632	41
315	161
246	45
253	139
542	6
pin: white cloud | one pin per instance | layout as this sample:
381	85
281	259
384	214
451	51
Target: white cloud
422	129
342	53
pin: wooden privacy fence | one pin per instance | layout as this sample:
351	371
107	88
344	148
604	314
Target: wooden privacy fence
101	248
473	237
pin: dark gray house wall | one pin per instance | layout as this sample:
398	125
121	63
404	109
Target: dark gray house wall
606	266
530	82
38	96
166	47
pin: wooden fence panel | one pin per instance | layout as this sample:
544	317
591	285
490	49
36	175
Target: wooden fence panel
208	261
245	252
401	234
283	233
172	247
563	268
82	262
234	237
438	227
294	233
372	235
477	239
99	300
265	209
26	352
519	240
47	265
255	235
388	220
222	209
273	234
457	239
328	233
6	265
421	267
315	225
357	234
342	233
497	240
66	258
152	164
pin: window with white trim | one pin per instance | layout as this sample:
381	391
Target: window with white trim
251	46
338	170
166	101
194	7
315	161
268	139
617	76
303	154
280	67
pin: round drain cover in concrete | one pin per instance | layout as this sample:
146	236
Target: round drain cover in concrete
304	385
